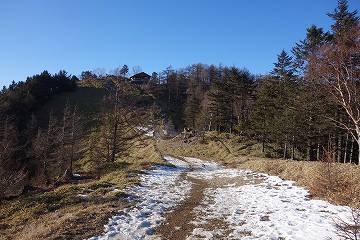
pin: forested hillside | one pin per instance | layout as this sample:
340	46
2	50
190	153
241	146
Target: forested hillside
308	103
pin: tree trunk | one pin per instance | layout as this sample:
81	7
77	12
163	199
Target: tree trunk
318	152
45	172
115	128
346	147
308	152
285	150
114	142
339	143
358	142
293	148
351	150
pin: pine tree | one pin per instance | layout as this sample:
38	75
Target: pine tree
192	110
315	38
283	68
275	116
344	20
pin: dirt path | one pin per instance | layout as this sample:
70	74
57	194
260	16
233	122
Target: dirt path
177	225
180	222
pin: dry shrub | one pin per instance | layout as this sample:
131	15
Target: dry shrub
349	229
329	180
274	167
11	182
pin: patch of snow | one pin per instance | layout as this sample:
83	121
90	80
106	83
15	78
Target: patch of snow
116	190
76	175
148	132
269	210
160	191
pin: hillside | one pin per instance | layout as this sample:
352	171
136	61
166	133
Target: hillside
45	208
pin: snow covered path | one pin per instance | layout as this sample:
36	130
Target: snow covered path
201	200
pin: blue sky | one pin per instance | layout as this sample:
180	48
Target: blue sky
79	35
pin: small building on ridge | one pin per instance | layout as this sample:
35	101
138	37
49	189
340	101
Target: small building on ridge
140	78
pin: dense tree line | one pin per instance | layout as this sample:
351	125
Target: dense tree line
26	146
309	98
39	149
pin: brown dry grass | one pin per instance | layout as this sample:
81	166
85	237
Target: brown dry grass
79	210
82	221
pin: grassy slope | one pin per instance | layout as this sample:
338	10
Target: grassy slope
87	98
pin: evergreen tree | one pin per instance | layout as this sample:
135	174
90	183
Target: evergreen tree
344	20
283	68
220	107
192	110
275	115
315	38
265	111
124	70
241	87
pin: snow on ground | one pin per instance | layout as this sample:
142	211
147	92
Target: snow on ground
148	132
272	209
160	191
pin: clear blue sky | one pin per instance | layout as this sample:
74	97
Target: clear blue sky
79	35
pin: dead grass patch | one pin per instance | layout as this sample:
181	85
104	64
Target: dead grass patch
78	210
83	221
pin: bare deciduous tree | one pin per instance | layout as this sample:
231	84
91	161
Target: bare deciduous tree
11	174
337	67
43	147
349	229
120	122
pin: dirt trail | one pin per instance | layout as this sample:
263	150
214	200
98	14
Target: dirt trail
179	223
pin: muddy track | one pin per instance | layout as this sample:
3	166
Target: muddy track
177	225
